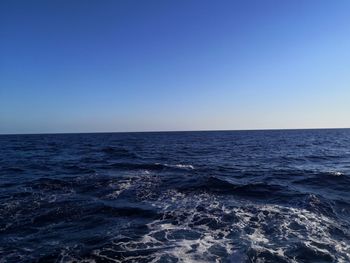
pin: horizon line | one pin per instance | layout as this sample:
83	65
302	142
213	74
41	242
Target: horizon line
169	131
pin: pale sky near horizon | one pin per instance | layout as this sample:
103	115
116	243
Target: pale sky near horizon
94	66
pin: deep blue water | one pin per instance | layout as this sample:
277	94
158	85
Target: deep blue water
240	196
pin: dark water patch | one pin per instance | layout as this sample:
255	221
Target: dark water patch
12	169
77	169
331	185
118	152
305	253
49	184
127	211
137	166
258	190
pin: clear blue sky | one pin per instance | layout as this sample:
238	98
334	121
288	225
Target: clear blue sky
85	66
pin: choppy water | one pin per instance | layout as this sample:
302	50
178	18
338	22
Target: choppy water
248	196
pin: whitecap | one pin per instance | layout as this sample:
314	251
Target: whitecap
182	166
335	173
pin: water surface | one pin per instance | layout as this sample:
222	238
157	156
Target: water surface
235	196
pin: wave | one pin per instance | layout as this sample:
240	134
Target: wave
118	152
151	166
180	166
253	189
12	169
49	184
335	173
76	169
331	182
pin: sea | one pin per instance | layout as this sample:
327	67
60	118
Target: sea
206	196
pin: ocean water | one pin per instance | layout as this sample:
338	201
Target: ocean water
226	196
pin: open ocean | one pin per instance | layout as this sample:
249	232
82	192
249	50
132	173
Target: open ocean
224	196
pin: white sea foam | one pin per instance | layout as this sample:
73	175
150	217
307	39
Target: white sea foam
188	166
144	178
335	173
200	228
119	188
181	166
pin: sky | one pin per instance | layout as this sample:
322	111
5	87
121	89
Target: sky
126	65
